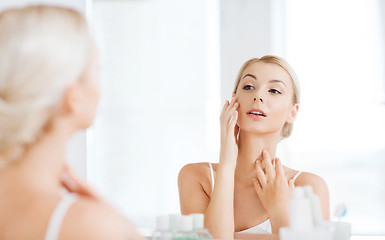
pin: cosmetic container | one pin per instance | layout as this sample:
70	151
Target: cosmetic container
302	214
185	229
198	227
315	205
301	217
162	231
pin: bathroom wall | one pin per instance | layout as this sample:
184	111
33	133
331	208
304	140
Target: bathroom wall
246	32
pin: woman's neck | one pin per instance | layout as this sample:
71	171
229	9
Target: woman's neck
42	164
250	147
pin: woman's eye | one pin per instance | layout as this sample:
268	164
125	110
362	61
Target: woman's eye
248	87
275	91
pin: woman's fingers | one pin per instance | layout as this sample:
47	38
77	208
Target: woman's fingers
270	173
260	174
225	105
75	184
224	108
278	168
291	184
233	120
257	186
236	130
228	112
228	105
232	101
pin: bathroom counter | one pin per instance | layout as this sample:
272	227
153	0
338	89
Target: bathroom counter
251	236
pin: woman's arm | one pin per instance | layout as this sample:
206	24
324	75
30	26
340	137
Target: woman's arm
220	212
219	207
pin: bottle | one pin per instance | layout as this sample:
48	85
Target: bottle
198	227
174	221
302	225
162	231
300	211
315	205
185	229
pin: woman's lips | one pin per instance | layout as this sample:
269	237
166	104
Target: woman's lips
256	114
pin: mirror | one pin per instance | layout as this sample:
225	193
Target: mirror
167	66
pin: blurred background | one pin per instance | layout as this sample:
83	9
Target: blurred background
168	66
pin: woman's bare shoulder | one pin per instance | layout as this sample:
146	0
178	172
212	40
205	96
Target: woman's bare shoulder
91	219
303	178
195	170
318	183
196	174
309	178
306	178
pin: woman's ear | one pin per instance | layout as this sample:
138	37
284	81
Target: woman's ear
72	98
293	113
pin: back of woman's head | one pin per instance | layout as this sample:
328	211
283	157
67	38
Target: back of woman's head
43	49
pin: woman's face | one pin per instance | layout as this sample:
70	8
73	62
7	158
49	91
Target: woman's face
265	97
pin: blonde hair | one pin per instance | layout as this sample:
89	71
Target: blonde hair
43	49
288	127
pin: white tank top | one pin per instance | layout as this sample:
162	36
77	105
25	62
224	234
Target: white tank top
56	220
262	228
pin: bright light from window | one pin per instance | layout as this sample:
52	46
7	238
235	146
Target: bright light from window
336	48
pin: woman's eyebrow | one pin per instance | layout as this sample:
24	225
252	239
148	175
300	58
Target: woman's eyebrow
278	81
250	75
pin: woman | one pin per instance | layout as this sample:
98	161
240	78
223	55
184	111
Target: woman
249	190
48	91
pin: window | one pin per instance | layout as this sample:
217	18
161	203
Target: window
337	49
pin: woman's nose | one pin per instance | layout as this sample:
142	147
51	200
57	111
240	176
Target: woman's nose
260	99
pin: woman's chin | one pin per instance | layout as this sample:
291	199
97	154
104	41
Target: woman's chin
259	130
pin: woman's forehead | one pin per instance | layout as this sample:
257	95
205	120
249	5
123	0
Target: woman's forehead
266	71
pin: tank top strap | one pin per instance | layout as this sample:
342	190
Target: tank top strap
296	175
212	176
56	220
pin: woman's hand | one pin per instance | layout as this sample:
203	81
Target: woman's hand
75	184
273	189
229	133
